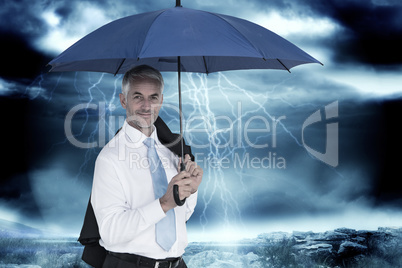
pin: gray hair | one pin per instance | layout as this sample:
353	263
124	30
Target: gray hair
138	73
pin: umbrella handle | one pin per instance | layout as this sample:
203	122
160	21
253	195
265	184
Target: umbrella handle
176	196
176	189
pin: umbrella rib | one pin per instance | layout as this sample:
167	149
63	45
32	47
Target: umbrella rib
245	38
283	65
150	26
205	65
118	69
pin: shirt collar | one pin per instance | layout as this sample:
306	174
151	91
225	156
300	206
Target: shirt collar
137	136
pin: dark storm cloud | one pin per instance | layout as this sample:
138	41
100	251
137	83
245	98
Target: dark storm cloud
22	17
67	9
387	187
367	175
21	61
20	26
369	136
371	31
17	193
34	140
15	186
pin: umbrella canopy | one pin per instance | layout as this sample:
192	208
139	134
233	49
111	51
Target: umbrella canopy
206	42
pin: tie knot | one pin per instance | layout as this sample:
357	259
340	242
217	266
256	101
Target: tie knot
149	142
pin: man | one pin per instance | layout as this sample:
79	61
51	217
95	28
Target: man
137	227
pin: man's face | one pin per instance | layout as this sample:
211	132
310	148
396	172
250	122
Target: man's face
143	102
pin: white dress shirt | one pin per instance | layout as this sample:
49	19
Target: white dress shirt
123	199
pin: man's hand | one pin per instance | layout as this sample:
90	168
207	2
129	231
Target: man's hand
183	180
187	180
195	171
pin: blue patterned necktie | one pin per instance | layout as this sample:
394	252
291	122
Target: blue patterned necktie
165	229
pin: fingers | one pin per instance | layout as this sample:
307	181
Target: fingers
194	169
184	182
190	165
189	179
185	188
179	177
187	158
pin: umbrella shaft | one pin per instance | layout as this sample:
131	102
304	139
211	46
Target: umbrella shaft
182	166
180	108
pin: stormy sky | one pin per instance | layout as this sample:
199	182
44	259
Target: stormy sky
314	149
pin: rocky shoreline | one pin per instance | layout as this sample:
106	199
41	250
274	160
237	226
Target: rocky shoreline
22	246
341	247
350	247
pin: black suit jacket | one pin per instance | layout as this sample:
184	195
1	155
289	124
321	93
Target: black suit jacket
94	254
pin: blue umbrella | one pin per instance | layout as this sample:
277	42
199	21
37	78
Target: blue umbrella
205	42
182	40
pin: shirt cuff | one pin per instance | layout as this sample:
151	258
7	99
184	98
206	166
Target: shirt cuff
153	212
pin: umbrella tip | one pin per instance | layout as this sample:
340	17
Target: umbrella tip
178	3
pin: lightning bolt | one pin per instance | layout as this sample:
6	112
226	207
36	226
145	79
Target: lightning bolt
90	95
199	105
106	107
